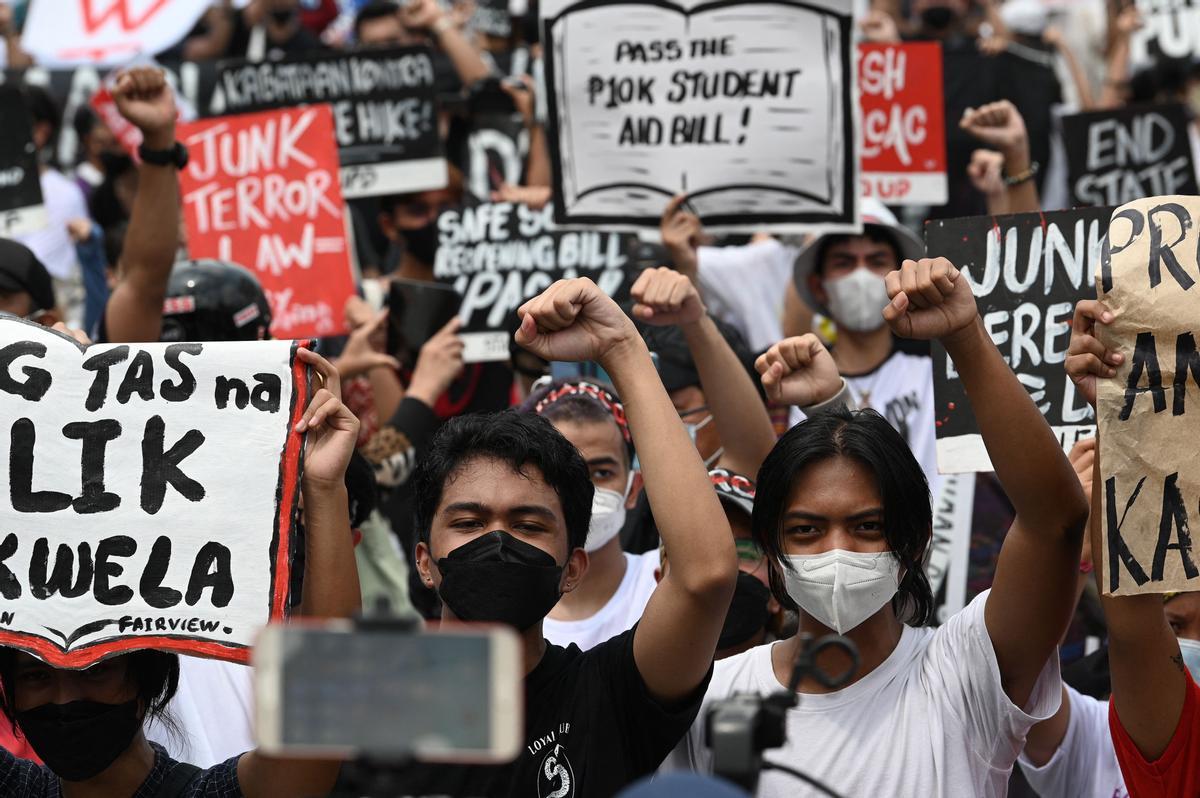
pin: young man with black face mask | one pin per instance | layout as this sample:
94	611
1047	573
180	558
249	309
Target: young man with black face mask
503	512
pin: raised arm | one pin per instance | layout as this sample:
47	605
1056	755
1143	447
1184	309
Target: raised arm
134	309
1000	125
428	15
677	636
1033	593
331	576
664	297
1148	680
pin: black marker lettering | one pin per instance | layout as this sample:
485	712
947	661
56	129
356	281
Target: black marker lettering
60	579
1159	252
139	379
95	436
20	474
100	364
160	468
1145	357
37	381
151	586
116	546
1116	544
1174	516
186	385
10	587
268	393
211	569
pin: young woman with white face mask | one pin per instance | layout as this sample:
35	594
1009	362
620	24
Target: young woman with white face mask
843	515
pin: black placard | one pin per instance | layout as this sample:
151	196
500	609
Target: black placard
1114	157
21	208
385	114
1027	271
499	255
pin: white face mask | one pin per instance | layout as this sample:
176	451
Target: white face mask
857	300
693	431
608	516
841	589
1190	649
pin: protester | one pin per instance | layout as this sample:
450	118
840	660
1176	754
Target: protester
842	511
618	708
26	288
87	726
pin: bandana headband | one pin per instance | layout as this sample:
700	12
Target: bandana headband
593	391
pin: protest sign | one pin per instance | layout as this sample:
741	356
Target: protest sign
1147	276
262	190
950	545
1170	29
492	18
500	255
747	107
21	208
1027	271
130	523
903	137
1114	157
383	107
106	32
495	150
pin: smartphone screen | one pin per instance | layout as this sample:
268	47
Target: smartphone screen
433	696
416	311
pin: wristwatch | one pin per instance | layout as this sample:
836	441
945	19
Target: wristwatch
176	156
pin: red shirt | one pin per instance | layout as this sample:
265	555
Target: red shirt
1177	771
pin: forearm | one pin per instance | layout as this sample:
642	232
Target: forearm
537	169
690	519
17	57
331	577
997	203
738	411
1083	86
1025	453
468	63
1116	74
135	307
1022	197
386	391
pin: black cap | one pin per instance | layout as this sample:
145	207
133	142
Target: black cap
212	300
22	272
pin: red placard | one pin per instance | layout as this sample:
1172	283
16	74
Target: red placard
262	190
903	133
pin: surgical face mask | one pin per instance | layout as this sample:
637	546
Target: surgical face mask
857	300
693	431
1190	649
498	578
79	740
608	516
841	589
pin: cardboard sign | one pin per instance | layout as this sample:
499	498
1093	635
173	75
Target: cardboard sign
1027	272
500	255
262	190
1114	157
1148	278
21	208
130	522
106	32
903	136
747	107
1170	29
383	107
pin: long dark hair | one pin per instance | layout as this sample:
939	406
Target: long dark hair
866	437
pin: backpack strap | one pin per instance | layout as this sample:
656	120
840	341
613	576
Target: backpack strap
177	780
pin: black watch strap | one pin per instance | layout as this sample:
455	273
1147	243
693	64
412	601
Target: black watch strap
177	156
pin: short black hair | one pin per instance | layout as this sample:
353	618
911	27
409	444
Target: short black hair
154	673
876	234
864	436
42	108
512	437
376	9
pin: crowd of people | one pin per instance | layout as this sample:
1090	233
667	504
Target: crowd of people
668	497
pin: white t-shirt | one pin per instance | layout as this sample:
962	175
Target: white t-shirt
931	721
745	286
214	708
1085	764
621	612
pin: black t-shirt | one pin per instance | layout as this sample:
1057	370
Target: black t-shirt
591	728
31	780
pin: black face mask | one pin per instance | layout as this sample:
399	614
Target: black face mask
938	18
500	579
422	243
81	739
282	16
748	613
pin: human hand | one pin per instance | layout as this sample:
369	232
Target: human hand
681	231
986	172
930	299
994	44
1087	358
332	429
998	125
145	99
80	336
364	350
79	230
438	365
1127	22
1083	457
6	20
535	197
799	371
522	96
664	297
573	320
879	27
1052	36
423	15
